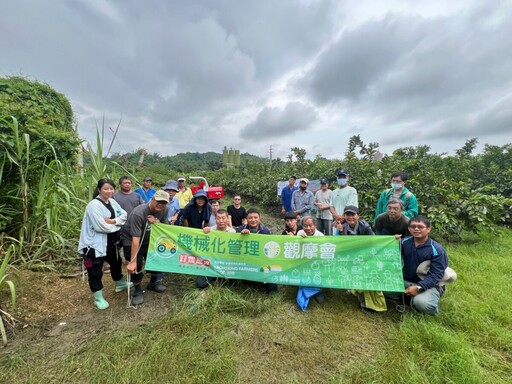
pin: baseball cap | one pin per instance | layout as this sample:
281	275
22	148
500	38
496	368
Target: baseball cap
304	180
147	178
342	172
181	178
324	181
351	209
161	195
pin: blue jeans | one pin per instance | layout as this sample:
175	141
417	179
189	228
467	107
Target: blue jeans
425	302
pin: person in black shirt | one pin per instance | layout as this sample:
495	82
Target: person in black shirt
237	213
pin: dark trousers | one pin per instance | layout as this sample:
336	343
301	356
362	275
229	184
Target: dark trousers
94	266
136	277
259	286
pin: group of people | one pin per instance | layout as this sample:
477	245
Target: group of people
122	220
396	214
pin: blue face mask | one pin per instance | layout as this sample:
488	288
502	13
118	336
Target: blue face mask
396	186
342	182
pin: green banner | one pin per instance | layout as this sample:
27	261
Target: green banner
350	262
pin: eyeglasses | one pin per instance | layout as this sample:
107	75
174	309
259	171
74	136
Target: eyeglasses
417	226
237	199
161	202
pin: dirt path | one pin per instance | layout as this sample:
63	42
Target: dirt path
55	311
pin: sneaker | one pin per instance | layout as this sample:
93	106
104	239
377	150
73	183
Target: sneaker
137	299
319	297
159	288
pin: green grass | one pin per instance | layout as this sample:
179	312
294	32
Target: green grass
236	336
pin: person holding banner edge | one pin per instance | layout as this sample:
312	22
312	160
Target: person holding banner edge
254	226
137	232
423	291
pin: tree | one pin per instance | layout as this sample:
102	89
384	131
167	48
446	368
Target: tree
36	124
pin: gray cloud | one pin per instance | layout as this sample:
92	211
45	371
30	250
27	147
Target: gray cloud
276	122
195	76
359	58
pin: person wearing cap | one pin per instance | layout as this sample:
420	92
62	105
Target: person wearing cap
352	225
292	226
324	208
343	195
136	232
184	193
372	300
197	213
302	199
171	187
286	195
146	192
398	191
393	221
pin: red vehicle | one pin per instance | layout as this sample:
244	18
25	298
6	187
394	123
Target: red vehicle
211	192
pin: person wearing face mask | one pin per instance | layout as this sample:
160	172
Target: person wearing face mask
400	192
343	196
302	200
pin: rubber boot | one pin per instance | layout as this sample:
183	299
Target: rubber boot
122	284
99	300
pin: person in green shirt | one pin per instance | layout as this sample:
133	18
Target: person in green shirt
398	191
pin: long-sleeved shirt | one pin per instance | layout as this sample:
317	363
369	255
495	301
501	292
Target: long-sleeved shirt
286	197
413	256
94	232
303	202
410	203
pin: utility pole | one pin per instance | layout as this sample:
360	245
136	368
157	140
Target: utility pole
270	152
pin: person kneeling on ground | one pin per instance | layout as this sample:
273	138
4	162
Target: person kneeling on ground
424	292
292	225
352	226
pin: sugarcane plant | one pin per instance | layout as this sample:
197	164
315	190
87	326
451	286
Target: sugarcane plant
6	283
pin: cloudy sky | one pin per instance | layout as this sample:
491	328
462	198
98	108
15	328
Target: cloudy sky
200	75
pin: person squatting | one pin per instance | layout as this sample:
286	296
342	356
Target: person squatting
109	225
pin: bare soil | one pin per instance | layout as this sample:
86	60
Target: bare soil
55	312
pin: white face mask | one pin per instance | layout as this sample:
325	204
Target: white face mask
342	182
396	186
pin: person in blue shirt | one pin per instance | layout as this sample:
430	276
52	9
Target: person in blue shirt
286	195
171	187
146	192
426	290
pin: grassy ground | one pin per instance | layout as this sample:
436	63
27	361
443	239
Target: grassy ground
231	335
